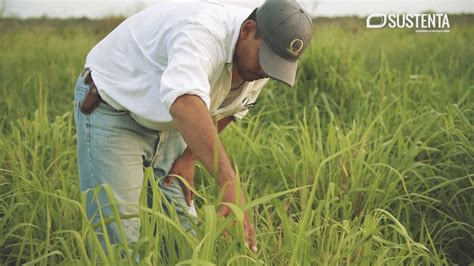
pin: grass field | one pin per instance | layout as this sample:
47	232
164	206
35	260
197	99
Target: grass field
369	160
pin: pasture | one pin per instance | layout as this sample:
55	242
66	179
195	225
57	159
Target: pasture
368	160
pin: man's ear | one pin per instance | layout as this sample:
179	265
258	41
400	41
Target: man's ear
247	28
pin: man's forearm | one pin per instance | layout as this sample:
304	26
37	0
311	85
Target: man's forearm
197	128
221	124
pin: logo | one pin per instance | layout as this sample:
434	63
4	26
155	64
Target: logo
295	47
420	22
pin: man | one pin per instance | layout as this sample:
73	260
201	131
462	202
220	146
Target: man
152	89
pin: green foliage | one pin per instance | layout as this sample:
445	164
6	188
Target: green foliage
368	160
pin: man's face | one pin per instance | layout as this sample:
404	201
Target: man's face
246	53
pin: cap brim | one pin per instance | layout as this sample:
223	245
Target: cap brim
276	67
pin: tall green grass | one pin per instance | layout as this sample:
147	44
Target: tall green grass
367	161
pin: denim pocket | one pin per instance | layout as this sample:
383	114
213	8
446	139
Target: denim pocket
80	90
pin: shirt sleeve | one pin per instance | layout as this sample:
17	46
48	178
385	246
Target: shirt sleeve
192	56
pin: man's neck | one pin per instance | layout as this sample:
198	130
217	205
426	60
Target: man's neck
237	80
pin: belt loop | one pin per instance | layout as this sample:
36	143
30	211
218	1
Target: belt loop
85	72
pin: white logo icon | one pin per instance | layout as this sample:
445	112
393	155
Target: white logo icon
376	26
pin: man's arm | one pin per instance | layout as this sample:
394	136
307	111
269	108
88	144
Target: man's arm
197	128
184	166
195	125
224	122
221	124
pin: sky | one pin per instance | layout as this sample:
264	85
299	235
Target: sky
101	8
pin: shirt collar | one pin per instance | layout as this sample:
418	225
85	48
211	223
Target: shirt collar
240	16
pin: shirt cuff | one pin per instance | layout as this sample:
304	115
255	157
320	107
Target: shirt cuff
171	97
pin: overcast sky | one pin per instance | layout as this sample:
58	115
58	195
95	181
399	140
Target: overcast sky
100	8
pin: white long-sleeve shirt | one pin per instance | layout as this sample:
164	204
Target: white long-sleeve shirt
169	50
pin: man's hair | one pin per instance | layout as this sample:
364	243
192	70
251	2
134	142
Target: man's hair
253	17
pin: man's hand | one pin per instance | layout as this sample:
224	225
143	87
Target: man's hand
249	231
184	167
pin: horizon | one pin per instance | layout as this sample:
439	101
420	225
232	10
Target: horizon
24	9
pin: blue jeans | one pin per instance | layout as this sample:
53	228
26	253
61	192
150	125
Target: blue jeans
113	149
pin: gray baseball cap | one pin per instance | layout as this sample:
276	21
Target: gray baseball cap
286	29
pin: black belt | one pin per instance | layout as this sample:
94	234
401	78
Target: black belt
92	99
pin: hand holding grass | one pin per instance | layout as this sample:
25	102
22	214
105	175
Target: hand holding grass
229	195
184	167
